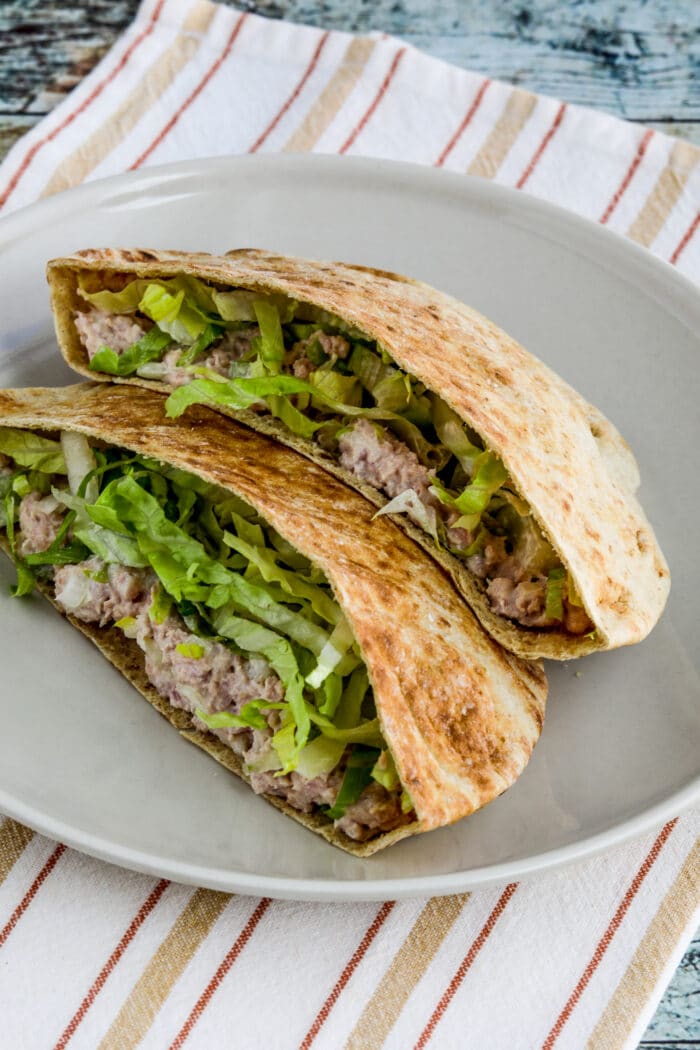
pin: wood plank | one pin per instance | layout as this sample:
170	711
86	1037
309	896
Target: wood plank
641	61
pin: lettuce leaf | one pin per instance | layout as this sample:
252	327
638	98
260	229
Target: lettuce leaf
320	757
239	305
293	583
450	429
149	347
31	450
111	546
554	602
128	300
489	475
334	656
249	717
209	334
358	774
271	338
349	710
333	386
237	393
384	771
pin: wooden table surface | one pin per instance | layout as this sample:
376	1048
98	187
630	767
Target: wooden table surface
639	59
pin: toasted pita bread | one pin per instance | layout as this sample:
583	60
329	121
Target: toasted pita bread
563	456
460	715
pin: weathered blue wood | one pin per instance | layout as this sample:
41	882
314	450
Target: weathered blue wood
639	59
678	1016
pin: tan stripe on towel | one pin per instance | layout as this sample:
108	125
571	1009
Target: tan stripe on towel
664	195
643	972
165	967
502	136
14	839
158	78
333	96
405	971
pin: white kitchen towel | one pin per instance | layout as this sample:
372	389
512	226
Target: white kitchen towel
93	956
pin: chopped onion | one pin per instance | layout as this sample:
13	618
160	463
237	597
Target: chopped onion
409	502
80	460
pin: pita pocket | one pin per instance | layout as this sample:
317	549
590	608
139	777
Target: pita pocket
520	489
249	596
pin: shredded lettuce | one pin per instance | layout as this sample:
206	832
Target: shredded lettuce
489	475
108	543
349	710
325	320
334	655
271	338
209	334
572	594
231	578
384	771
239	305
334	386
251	544
192	650
554	603
358	774
320	757
237	393
198	294
450	429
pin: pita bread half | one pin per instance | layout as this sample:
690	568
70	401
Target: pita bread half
563	456
460	714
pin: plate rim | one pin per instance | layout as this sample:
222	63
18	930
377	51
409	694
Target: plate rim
475	191
341	891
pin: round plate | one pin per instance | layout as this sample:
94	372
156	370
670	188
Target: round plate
84	760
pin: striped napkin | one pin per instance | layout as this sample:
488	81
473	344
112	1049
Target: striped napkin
93	956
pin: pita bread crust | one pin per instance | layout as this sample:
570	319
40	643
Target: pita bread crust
460	714
564	456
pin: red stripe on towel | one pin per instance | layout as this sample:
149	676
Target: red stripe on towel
97	986
294	95
465	123
190	99
99	88
604	942
638	157
542	147
224	967
377	99
465	965
357	957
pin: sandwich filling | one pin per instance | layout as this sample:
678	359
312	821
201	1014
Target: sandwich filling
328	382
236	626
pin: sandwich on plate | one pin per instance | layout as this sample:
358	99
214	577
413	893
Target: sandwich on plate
520	489
254	600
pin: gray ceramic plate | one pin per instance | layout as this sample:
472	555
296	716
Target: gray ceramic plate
84	760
